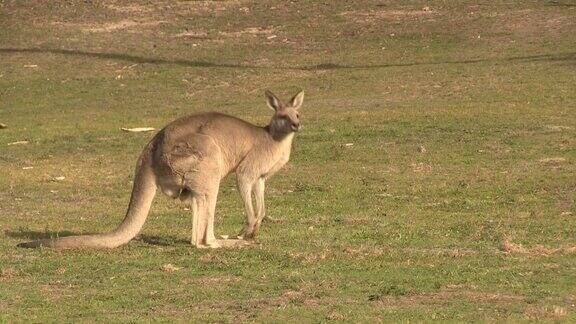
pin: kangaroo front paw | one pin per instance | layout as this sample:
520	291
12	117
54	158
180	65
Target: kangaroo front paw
248	233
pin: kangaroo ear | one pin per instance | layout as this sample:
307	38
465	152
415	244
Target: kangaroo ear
272	101
297	100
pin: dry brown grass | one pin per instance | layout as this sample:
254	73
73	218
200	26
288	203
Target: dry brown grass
8	274
447	295
539	250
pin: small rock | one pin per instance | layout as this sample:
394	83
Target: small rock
2	126
60	178
224	237
348	144
27	168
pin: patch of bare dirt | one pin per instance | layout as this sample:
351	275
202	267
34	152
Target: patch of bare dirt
180	7
250	31
364	251
552	161
137	16
7	274
291	294
192	34
447	294
539	250
391	14
209	280
373	251
421	167
130	8
169	267
207	6
108	27
541	313
530	23
454	252
557	128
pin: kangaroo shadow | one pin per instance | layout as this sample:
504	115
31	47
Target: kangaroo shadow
37	235
31	235
160	240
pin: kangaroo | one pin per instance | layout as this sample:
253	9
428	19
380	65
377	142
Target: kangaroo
188	158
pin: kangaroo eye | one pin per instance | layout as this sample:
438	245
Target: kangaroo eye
297	115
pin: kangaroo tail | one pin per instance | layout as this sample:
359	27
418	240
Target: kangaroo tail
143	193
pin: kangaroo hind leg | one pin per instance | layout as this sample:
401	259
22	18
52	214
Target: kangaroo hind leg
203	207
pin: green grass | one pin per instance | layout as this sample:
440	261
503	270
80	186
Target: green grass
478	226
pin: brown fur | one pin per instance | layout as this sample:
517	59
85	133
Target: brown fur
188	159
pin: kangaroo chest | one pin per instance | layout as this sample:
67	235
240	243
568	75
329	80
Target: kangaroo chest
281	158
265	160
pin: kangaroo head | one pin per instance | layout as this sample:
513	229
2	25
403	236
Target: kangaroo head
286	118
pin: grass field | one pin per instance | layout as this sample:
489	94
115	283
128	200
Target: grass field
434	178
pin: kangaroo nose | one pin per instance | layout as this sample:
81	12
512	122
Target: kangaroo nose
295	126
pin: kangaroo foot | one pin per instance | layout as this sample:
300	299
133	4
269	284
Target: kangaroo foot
205	244
213	244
